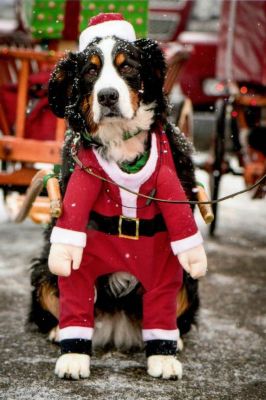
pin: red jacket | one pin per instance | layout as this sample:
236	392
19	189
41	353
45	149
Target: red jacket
86	193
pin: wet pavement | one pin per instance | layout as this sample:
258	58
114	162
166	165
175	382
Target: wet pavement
224	359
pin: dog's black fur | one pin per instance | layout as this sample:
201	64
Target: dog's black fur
66	90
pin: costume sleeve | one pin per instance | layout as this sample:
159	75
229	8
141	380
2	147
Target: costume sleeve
179	219
82	191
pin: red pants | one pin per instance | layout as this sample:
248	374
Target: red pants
150	259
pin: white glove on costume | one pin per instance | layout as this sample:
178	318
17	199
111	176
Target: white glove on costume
64	256
194	261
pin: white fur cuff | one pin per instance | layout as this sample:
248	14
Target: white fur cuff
67	236
76	332
160	334
179	246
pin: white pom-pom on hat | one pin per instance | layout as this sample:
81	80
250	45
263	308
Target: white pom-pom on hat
106	24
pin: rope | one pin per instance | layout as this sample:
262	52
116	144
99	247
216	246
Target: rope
152	198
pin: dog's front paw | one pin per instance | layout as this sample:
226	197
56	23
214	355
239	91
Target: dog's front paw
166	367
53	335
73	366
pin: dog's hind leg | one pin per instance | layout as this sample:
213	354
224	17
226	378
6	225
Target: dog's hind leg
50	302
48	299
44	309
188	304
53	335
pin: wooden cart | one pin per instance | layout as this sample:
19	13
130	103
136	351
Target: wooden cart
19	152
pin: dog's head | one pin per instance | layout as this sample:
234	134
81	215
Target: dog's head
111	80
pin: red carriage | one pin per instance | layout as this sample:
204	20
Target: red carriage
240	115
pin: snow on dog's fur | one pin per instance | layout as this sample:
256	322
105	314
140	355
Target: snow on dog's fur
111	88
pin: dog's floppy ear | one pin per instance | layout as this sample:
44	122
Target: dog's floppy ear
63	89
153	69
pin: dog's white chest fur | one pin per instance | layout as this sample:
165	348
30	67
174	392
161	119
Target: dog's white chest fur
111	131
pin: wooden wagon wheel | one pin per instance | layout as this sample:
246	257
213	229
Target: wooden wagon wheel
219	150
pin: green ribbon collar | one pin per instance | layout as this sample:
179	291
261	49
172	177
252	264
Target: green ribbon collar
132	168
129	135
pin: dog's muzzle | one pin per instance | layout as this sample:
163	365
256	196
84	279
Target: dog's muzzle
108	97
108	100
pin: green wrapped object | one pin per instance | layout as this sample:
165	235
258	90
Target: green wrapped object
45	18
135	12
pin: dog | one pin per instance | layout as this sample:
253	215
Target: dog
111	94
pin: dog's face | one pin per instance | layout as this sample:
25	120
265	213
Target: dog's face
108	82
111	79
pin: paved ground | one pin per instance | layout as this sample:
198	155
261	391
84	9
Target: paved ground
224	359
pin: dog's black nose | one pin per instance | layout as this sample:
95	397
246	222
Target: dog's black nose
108	97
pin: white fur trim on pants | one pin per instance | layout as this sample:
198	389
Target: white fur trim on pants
160	334
75	332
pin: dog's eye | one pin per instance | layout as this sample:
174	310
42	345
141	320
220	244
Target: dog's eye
126	68
91	72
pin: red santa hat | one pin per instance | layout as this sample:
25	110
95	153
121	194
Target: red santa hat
109	24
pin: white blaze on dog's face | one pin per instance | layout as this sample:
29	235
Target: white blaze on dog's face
112	96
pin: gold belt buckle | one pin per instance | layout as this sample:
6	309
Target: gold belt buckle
120	227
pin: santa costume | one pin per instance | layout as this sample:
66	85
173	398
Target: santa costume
120	231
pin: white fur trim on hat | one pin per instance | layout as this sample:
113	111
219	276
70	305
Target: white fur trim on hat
121	29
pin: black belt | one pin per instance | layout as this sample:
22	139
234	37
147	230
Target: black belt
130	228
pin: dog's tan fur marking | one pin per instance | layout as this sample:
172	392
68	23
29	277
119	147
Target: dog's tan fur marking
48	300
53	335
134	96
86	107
182	302
59	75
120	58
95	60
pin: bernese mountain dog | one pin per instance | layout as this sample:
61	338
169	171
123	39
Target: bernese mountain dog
111	94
